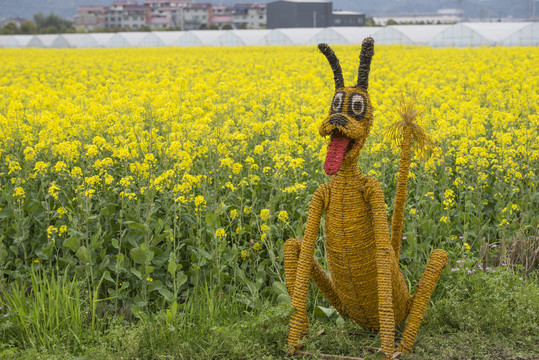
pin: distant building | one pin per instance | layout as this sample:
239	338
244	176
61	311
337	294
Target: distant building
16	20
162	14
196	16
442	16
299	13
310	13
250	16
157	23
347	18
166	13
127	14
90	17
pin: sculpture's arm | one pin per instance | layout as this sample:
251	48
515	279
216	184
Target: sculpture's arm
375	197
298	320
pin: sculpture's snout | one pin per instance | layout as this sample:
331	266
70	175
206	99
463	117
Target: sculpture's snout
338	120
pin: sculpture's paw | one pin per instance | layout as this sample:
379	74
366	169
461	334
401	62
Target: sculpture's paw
402	350
299	327
396	355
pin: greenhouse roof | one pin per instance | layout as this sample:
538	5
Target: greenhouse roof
207	37
495	32
355	34
420	34
527	36
16	40
458	35
74	40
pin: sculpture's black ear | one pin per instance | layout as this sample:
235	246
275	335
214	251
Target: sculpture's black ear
367	52
334	63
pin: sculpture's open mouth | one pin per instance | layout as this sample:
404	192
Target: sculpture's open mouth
339	145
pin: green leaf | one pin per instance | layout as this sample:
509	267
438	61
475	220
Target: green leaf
279	288
107	277
84	254
72	243
210	218
284	299
321	311
135	272
155	285
166	293
171	268
96	240
205	254
138	255
137	226
182	278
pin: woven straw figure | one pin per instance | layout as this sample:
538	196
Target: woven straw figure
366	283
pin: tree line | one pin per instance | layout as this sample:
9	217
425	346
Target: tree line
54	24
42	24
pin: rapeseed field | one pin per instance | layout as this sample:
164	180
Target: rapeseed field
150	171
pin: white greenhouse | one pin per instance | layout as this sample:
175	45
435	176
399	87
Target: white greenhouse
457	35
527	36
408	34
343	35
15	41
476	34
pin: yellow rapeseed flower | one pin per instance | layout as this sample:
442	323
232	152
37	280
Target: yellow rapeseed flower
283	216
265	214
220	233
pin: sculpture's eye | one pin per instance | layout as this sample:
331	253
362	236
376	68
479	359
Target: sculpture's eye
338	100
357	106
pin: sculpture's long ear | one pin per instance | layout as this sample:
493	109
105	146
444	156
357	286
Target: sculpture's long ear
334	62
367	52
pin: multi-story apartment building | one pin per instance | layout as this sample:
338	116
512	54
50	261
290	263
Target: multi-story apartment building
160	14
127	14
90	17
196	16
166	13
222	16
252	16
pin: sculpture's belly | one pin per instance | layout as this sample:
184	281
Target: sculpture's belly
351	254
352	265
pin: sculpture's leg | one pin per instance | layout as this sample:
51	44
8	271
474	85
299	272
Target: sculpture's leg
292	249
435	266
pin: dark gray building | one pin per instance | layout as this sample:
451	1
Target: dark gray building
299	13
348	18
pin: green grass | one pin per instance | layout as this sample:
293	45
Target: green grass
474	314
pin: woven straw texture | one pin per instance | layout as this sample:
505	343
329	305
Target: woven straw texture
366	283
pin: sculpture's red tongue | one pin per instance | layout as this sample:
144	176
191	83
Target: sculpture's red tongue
336	150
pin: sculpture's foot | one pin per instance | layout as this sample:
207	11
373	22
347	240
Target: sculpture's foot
435	266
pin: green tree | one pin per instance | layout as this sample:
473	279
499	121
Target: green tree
213	27
39	19
49	30
226	27
28	27
45	24
10	28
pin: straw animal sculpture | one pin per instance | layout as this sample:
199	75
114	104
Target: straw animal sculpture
366	283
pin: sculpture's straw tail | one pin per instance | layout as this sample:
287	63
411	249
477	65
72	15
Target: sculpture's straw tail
397	220
405	132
